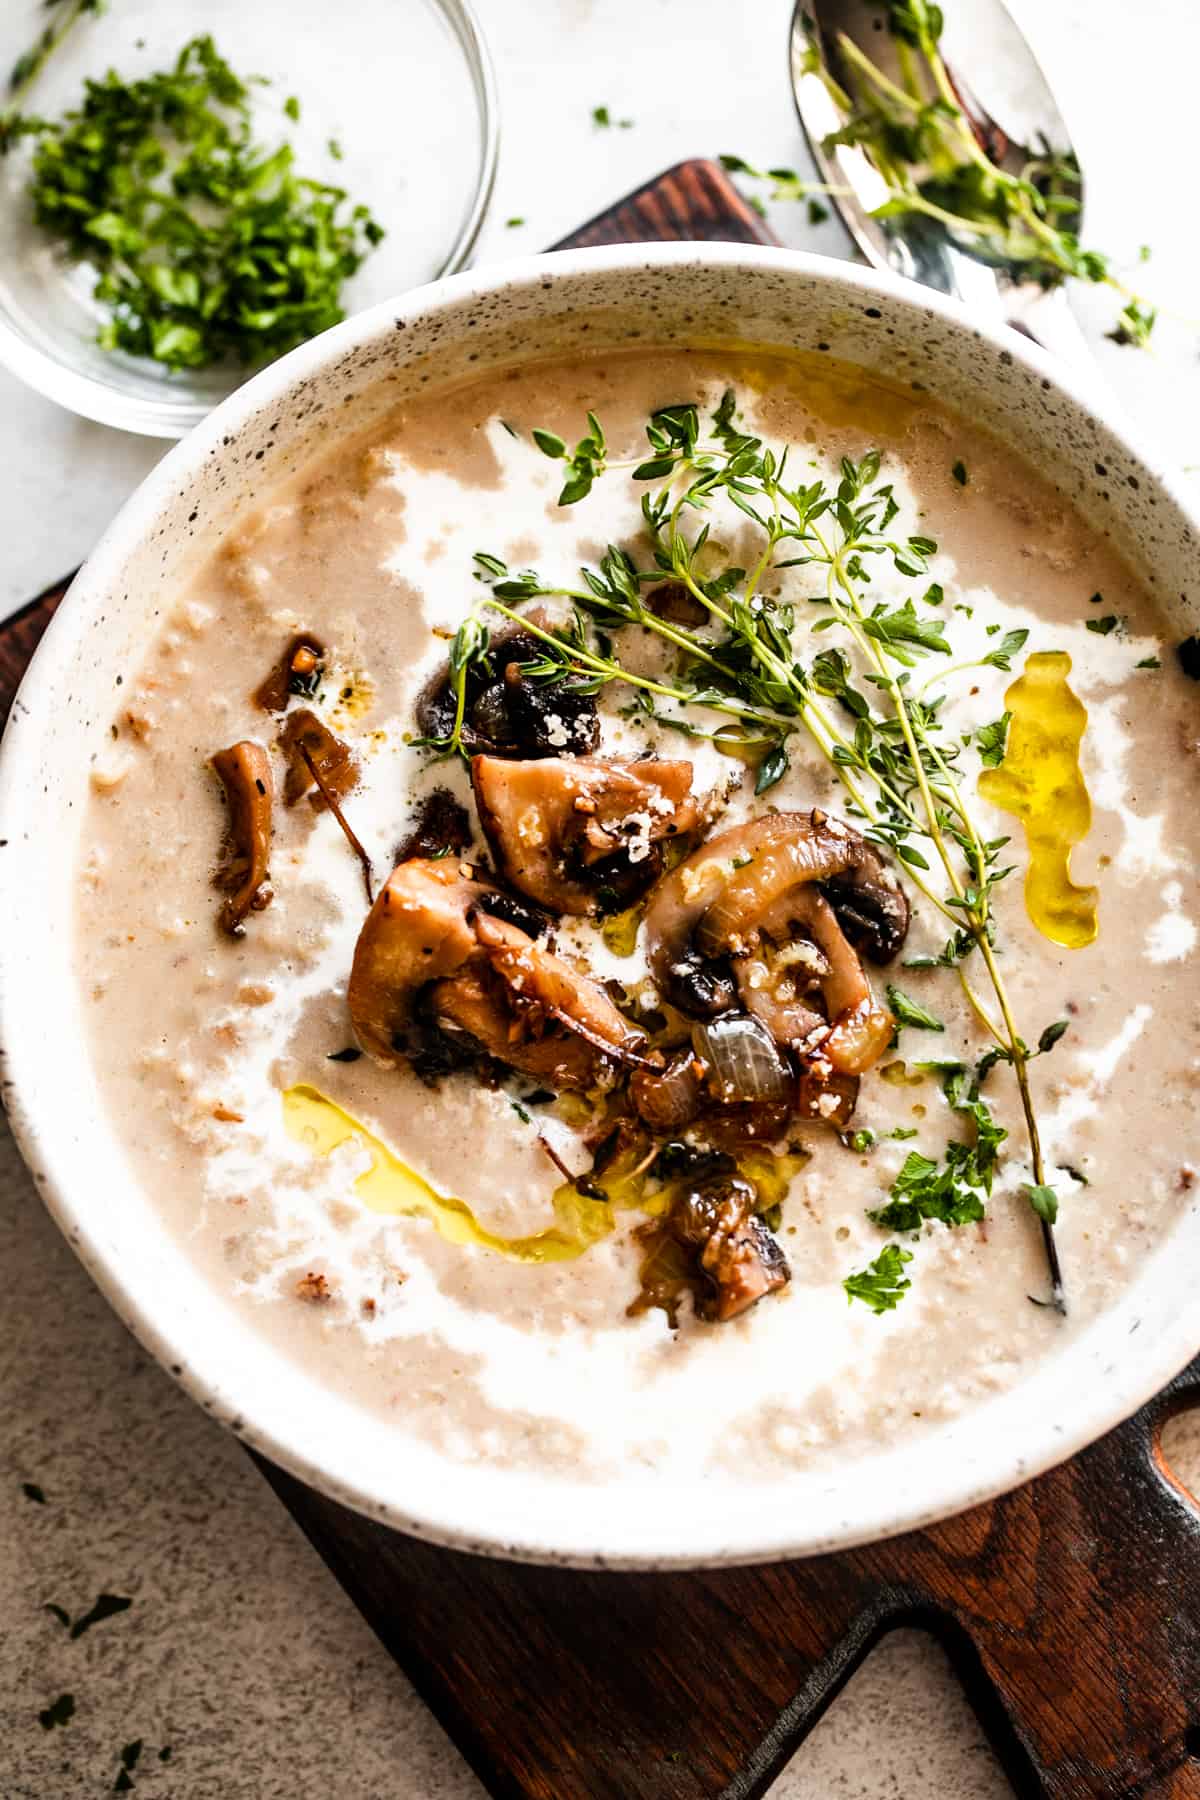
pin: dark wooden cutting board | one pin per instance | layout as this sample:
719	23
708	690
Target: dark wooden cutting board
1071	1608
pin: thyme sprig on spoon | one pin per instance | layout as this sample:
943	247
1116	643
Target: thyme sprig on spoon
932	164
896	761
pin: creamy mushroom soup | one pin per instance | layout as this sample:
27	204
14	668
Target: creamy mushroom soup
726	1007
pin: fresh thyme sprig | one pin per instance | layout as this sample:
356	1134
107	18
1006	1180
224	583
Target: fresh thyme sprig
933	165
897	763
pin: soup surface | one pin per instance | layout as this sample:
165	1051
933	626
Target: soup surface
675	1174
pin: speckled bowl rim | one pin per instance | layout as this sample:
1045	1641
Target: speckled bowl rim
1133	1379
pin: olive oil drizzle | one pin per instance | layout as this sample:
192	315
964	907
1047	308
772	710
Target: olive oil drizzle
390	1185
1040	783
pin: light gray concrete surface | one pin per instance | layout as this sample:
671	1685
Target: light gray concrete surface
239	1653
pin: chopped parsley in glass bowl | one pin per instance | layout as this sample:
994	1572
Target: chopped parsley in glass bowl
186	194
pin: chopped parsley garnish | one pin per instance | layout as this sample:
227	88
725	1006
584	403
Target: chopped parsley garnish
907	1011
1134	324
954	1191
350	1054
959	472
602	116
32	1491
1148	662
1103	626
514	222
207	245
817	214
882	1284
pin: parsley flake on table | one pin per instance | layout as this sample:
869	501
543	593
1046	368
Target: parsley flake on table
105	1606
59	1712
207	245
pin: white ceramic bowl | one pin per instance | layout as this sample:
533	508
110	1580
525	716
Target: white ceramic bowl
591	298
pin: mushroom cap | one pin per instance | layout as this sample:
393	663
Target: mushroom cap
419	930
554	824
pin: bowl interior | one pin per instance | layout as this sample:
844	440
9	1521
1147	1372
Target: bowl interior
424	168
593	299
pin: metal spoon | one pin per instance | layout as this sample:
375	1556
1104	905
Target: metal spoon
1018	125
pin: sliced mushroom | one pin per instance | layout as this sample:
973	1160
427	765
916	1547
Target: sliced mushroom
871	906
567	829
420	929
431	953
539	982
508	713
733	913
306	738
244	771
735	1255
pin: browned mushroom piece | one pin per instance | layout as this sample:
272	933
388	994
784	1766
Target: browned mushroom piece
871	906
565	830
431	956
244	771
298	671
507	712
420	929
733	1253
745	919
441	826
304	736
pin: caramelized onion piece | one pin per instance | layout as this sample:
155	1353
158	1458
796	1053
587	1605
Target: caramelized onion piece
244	771
743	1063
335	761
670	1098
564	828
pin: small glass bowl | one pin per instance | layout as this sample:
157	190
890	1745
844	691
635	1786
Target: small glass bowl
404	88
